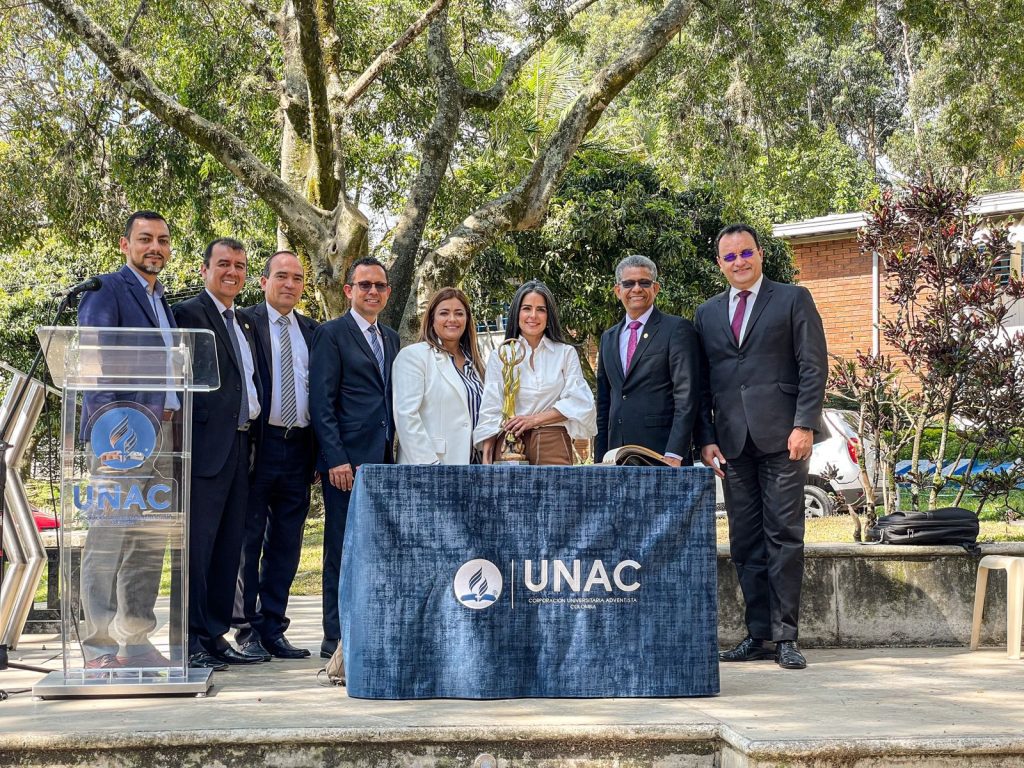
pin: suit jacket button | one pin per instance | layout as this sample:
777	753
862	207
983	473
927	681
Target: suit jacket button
741	357
238	388
623	397
383	423
743	387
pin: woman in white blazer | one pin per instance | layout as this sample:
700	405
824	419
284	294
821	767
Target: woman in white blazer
438	383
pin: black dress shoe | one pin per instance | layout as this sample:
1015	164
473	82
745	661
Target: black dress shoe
328	647
749	649
788	656
282	649
230	656
203	660
254	650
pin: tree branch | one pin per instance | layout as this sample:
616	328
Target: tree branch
326	185
306	222
435	153
265	15
493	96
525	206
391	53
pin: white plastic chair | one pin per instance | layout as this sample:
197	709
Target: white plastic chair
1014	567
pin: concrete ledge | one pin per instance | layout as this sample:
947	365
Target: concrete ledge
867	595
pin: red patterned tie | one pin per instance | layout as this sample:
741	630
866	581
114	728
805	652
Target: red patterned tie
737	318
631	344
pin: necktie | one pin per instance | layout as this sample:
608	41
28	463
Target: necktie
737	318
243	409
378	352
634	327
289	409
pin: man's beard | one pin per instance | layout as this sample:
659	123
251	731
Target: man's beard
149	269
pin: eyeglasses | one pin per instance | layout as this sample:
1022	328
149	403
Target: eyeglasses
628	285
746	253
366	285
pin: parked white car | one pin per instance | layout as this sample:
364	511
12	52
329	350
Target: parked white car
839	450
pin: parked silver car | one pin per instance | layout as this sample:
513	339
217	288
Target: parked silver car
839	451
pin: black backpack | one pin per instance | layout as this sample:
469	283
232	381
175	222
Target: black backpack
950	525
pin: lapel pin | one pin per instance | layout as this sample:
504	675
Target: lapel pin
645	335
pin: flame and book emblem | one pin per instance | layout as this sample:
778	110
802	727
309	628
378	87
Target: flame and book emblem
477	584
123	438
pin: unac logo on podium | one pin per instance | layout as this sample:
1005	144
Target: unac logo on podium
478	584
123	438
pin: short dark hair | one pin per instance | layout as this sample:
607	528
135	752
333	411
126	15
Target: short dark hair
147	215
553	330
367	261
736	229
229	242
269	265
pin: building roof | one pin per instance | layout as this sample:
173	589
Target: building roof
846	224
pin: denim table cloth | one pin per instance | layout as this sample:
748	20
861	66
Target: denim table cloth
511	581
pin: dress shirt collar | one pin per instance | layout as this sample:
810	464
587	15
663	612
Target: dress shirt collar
273	314
157	288
754	290
216	302
643	318
362	322
544	343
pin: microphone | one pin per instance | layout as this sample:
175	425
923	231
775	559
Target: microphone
89	284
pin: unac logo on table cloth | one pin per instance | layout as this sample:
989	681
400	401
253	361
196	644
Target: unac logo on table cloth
478	583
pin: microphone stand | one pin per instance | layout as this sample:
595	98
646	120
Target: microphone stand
16	402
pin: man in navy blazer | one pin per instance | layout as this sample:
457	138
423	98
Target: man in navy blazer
224	427
350	404
121	566
648	372
760	416
284	468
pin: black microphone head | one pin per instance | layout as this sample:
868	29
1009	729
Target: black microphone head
92	284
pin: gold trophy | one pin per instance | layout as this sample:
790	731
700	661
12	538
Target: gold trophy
511	353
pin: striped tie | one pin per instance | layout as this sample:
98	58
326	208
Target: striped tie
289	409
377	351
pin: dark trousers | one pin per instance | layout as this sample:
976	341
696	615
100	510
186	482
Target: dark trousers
335	516
215	533
764	498
276	516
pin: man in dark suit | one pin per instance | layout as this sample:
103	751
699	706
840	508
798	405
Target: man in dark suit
760	415
350	404
279	489
648	372
121	565
223	422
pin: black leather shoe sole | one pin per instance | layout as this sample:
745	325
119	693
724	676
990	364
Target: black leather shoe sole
231	656
327	648
206	661
285	650
255	651
791	660
753	654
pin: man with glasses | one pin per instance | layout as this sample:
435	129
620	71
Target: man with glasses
350	408
648	372
766	365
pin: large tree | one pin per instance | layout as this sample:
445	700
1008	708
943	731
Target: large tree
344	73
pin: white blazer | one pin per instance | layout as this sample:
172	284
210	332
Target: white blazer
432	419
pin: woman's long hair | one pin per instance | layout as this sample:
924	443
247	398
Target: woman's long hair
468	340
553	330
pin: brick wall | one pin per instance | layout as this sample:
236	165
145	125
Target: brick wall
839	278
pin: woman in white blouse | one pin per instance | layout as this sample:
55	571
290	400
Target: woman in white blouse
437	385
554	405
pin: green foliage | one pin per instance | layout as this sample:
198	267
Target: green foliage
610	206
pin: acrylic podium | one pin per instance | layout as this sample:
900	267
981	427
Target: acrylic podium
124	499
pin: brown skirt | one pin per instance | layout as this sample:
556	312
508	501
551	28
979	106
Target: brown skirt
548	446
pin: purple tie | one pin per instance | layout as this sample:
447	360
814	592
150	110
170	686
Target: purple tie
737	318
631	345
